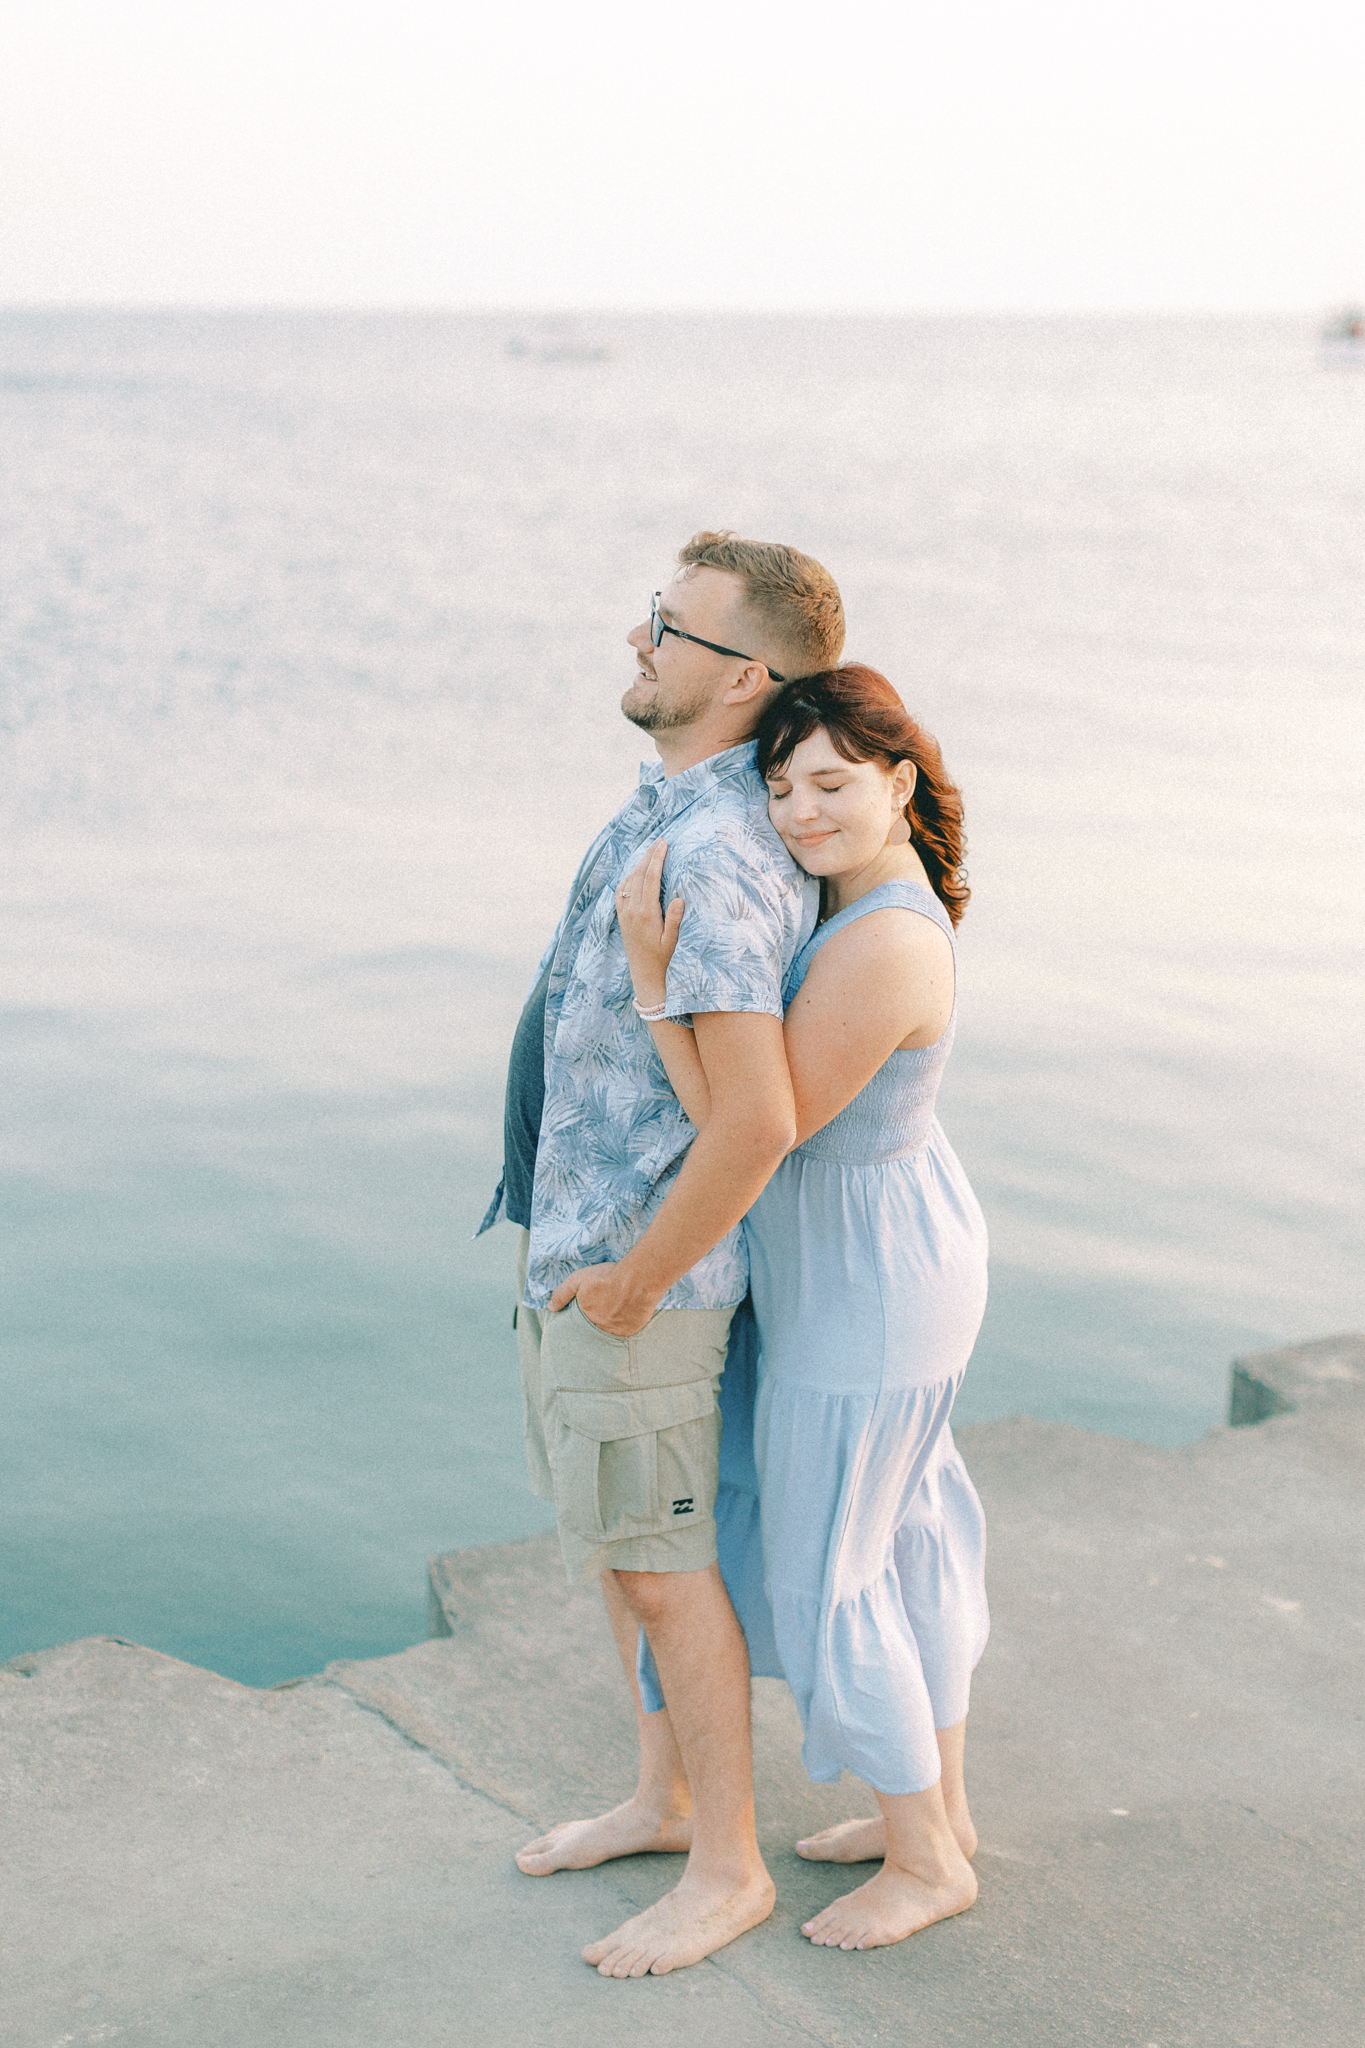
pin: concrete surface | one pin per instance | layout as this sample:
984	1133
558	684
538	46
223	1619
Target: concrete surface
1165	1762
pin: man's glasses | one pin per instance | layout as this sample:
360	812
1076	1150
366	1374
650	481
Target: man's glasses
658	626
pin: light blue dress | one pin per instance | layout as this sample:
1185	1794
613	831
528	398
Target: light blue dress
867	1258
851	1539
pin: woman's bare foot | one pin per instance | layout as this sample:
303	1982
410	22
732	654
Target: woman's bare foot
628	1830
687	1924
890	1906
960	1821
864	1841
852	1841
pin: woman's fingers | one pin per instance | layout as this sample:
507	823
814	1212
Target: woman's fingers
639	890
646	877
647	870
650	933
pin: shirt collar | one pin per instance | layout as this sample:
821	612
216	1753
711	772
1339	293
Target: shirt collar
674	792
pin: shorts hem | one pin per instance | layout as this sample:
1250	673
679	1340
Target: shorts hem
676	1550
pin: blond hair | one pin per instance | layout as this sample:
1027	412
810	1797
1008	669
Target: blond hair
795	602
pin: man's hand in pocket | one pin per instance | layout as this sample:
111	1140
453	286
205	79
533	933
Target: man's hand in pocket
606	1298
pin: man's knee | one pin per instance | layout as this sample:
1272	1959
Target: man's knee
651	1596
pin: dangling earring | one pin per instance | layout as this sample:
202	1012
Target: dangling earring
900	833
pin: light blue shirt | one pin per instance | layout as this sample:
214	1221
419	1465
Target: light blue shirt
613	1134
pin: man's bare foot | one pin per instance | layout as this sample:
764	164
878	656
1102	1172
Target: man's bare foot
889	1906
864	1841
628	1830
684	1926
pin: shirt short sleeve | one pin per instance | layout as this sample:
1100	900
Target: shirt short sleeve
735	933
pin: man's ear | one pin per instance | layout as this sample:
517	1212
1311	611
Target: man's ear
752	683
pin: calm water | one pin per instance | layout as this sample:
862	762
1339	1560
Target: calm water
312	644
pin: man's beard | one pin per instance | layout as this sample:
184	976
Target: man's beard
656	717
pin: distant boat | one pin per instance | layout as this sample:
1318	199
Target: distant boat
1343	338
559	351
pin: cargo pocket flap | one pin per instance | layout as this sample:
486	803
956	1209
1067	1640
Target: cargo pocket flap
607	1418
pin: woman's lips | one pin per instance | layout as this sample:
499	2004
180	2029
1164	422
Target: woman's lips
812	838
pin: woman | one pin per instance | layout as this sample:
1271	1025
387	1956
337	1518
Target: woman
868	1278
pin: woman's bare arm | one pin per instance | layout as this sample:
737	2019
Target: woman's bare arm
883	983
677	1048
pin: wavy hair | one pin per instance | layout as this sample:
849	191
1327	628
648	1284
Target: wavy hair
866	721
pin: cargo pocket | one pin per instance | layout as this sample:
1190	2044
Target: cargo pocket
636	1463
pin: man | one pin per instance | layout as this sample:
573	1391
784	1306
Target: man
631	1261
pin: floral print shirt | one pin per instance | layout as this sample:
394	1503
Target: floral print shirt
613	1134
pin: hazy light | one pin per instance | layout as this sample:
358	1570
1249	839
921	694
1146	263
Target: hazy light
1189	153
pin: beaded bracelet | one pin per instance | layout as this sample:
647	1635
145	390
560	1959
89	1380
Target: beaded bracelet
649	1016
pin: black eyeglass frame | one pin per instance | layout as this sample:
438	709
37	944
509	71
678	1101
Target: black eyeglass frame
658	626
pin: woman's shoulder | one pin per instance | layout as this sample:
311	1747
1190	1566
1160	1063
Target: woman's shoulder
881	947
895	920
886	905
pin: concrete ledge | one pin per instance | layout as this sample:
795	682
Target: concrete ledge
1281	1382
1165	1763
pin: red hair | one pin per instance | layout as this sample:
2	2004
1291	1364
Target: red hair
866	721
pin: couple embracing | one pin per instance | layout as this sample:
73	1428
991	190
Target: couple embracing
733	1194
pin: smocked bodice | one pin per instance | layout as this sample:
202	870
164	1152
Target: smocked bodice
891	1118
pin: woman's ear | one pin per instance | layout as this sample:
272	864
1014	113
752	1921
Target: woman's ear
903	784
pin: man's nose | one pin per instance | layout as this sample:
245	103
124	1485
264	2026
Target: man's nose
638	637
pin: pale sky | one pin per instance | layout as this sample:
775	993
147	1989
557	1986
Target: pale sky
1062	154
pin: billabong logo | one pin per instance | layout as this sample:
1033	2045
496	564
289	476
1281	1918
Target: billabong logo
683	1507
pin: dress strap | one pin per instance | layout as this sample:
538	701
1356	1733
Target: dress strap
898	895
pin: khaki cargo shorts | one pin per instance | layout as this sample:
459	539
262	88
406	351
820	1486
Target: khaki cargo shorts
623	1434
